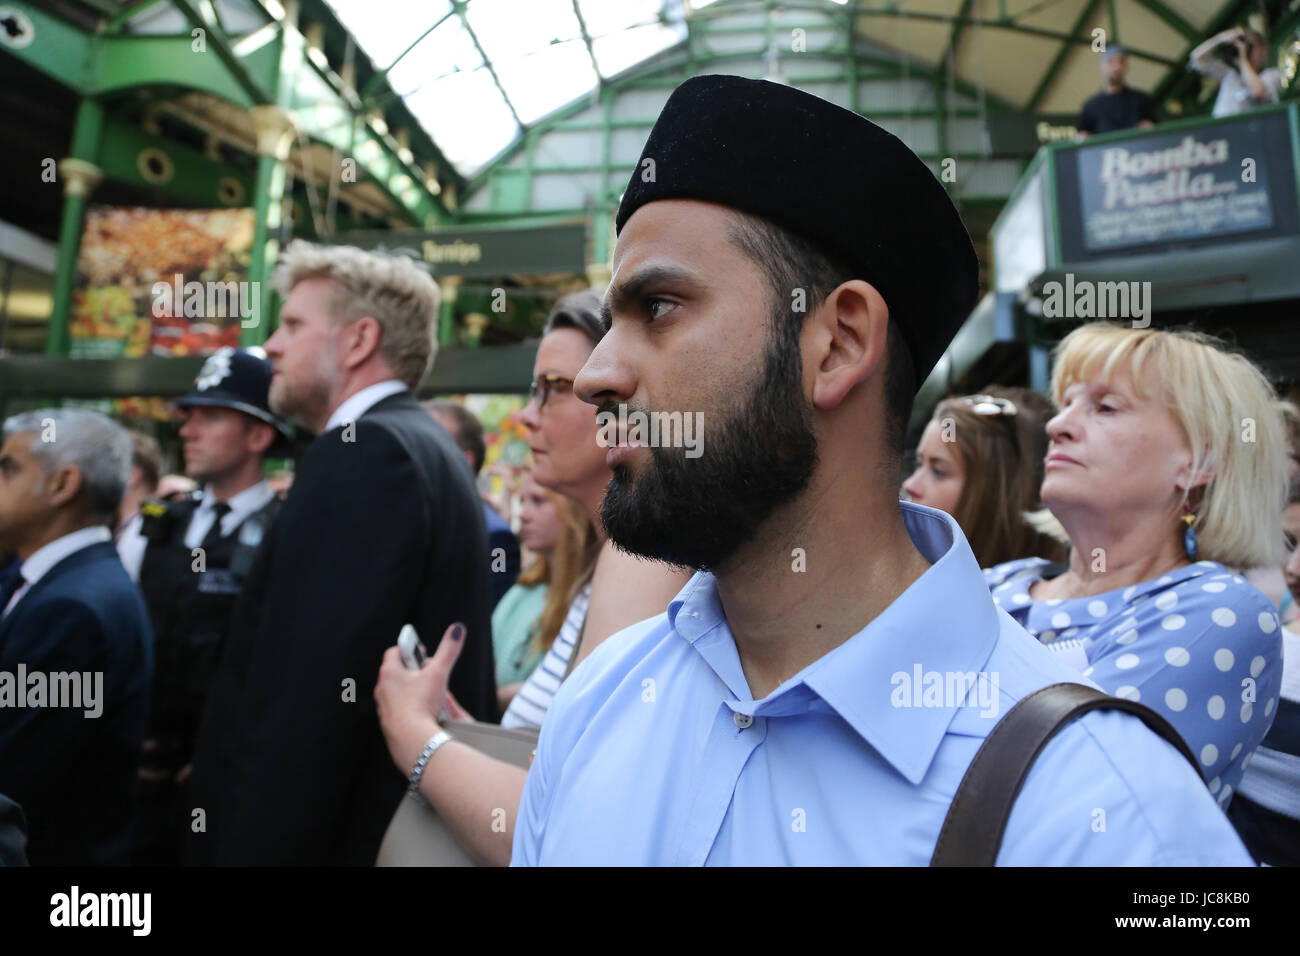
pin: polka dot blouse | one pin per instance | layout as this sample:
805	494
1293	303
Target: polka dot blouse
1200	646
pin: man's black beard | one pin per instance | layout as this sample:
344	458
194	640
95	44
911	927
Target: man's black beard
697	512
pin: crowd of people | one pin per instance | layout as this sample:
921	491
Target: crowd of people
1233	58
787	650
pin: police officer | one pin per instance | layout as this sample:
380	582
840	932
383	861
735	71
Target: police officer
198	552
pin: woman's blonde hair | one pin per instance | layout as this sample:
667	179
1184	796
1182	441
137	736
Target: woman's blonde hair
1230	418
569	569
393	289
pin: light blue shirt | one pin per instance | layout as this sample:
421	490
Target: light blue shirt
655	752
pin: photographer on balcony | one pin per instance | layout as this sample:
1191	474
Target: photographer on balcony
1235	58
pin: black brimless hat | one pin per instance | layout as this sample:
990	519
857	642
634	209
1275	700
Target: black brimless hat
829	175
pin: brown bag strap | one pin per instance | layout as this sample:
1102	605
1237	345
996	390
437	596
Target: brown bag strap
972	831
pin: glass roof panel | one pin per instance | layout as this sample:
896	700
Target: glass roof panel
617	51
466	116
535	47
384	28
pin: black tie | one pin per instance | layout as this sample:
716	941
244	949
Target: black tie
9	586
219	510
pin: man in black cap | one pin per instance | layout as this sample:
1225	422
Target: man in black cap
814	695
199	552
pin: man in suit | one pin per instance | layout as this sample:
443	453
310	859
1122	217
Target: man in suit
75	643
503	547
381	528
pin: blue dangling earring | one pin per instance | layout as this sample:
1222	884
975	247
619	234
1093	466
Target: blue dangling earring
1189	536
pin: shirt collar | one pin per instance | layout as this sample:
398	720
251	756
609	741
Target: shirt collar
945	622
251	499
353	407
45	558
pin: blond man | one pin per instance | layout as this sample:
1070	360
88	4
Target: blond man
381	528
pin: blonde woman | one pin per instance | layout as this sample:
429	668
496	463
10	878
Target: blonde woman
530	615
1167	467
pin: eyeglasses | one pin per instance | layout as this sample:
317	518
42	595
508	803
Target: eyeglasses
990	406
539	390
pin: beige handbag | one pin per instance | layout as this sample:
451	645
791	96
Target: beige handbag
417	836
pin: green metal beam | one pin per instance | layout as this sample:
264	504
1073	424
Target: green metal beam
256	92
459	6
923	17
106	7
195	177
122	61
122	17
1050	73
1171	18
60	50
378	78
660	76
586	39
954	35
86	139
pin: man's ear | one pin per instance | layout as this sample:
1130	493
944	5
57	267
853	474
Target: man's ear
360	341
848	338
64	485
261	437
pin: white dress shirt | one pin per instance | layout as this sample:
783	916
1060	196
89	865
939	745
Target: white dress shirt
39	564
249	501
130	546
357	405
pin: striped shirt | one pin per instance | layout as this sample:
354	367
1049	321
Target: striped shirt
529	706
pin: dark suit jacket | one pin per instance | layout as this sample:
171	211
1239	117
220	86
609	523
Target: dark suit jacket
74	775
500	536
13	833
381	531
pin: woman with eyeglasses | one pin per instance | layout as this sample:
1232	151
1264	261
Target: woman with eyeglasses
981	460
467	788
1167	467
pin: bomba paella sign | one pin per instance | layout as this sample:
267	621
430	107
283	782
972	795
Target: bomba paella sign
1201	183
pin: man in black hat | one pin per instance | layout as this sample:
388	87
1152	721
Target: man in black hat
791	272
199	552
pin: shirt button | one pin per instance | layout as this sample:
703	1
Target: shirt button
743	720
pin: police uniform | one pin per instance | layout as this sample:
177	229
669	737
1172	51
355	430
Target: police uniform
199	552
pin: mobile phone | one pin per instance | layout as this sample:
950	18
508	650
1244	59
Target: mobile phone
408	642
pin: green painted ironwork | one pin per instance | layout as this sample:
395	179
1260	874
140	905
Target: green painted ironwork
86	136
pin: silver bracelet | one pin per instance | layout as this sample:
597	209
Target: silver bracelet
436	741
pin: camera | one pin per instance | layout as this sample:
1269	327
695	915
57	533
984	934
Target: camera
1227	52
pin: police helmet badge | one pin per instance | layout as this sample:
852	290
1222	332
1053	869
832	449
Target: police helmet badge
215	369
